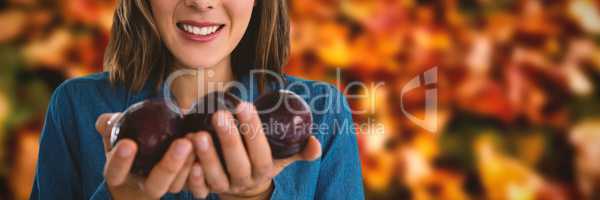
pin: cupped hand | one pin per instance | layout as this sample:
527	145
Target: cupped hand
169	175
248	168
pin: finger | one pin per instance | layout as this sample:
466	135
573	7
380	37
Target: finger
256	141
162	175
182	177
311	151
119	163
214	173
236	158
196	182
104	125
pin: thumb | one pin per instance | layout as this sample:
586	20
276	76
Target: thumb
104	125
311	151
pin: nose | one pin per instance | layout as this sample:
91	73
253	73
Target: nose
202	5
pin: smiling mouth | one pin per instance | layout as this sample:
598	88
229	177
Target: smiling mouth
200	30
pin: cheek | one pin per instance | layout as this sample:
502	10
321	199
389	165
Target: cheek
162	11
240	12
238	8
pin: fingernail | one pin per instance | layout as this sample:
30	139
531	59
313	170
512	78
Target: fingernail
244	110
181	151
202	143
196	171
243	106
124	151
224	120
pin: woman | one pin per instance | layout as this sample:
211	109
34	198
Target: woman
221	38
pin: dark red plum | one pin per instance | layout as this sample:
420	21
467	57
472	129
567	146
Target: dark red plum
153	126
286	118
287	122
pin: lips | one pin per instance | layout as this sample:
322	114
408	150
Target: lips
200	31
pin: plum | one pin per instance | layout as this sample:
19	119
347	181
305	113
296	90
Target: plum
153	126
286	118
287	122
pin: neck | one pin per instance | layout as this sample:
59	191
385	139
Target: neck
187	89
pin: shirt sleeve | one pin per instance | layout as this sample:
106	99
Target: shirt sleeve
340	176
57	173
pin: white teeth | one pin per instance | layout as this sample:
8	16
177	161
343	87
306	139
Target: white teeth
207	30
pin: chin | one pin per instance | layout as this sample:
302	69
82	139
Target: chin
199	62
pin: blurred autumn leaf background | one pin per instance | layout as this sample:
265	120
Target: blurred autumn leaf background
518	88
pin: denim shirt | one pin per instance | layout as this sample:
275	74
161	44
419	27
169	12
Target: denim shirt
71	156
